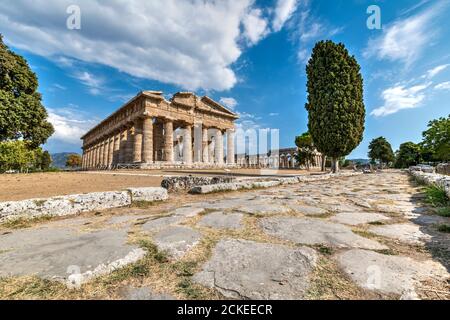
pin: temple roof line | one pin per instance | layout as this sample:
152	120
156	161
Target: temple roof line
159	96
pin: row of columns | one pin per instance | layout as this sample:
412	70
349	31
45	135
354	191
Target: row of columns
142	141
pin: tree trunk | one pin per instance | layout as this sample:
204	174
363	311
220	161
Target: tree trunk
324	162
335	165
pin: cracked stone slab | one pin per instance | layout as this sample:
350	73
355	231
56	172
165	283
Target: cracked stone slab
125	219
355	218
316	231
309	210
388	274
57	253
160	223
187	211
406	232
251	270
222	220
177	241
264	208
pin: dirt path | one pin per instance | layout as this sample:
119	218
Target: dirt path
364	237
42	185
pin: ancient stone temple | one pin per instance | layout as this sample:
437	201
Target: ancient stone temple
150	131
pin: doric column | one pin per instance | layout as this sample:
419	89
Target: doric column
123	146
129	154
158	140
187	144
111	151
230	146
100	154
90	160
219	147
168	141
105	152
97	155
137	141
205	149
116	152
147	140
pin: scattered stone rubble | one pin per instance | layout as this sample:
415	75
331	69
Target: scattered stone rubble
436	179
183	183
247	185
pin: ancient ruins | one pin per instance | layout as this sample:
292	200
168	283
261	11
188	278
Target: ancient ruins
141	133
151	132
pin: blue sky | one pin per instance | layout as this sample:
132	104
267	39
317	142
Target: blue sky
250	55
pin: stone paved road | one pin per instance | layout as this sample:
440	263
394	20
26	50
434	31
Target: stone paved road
370	236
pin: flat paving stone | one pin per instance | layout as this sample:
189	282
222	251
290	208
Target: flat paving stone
250	270
388	274
314	231
187	211
125	219
222	220
355	218
264	209
176	241
161	223
308	210
57	252
406	232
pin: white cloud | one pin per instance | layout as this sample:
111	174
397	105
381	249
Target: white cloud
273	114
93	82
310	29
283	12
70	124
435	71
443	86
312	32
187	43
405	39
400	97
229	102
255	26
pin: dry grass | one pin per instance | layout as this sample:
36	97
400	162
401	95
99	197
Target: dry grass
328	282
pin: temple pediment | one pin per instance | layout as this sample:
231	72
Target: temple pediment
214	105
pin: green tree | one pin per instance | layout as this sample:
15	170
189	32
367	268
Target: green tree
335	103
73	161
409	154
22	115
306	150
16	155
436	140
46	160
380	149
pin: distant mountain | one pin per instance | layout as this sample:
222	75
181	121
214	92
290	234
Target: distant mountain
361	161
59	159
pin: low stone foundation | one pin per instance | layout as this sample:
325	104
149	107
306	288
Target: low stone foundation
78	203
184	183
443	168
256	184
439	180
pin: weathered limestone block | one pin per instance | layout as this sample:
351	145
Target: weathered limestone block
148	194
173	184
64	205
438	180
443	168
